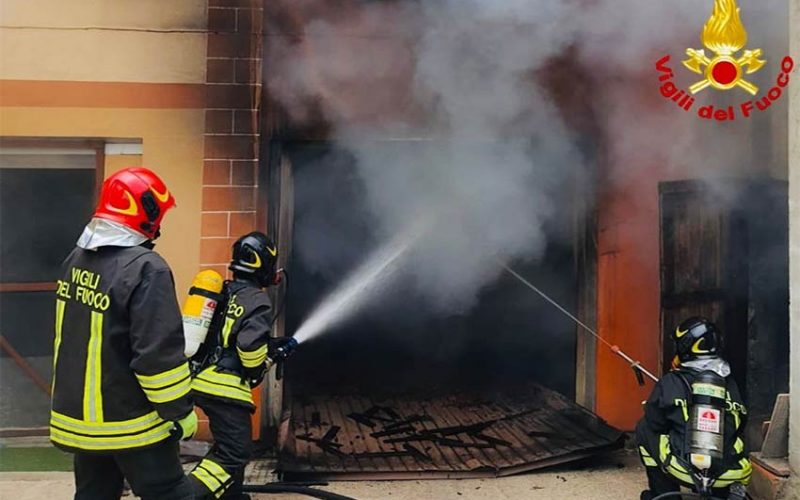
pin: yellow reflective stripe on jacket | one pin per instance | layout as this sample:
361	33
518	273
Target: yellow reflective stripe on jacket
672	465
646	458
253	364
253	359
209	481
60	304
165	378
684	409
740	475
152	436
92	383
131	426
663	447
211	375
214	485
226	330
676	470
259	352
737	419
226	385
170	393
221	391
738	445
215	469
168	385
213	476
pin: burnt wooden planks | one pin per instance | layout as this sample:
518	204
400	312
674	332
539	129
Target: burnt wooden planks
457	435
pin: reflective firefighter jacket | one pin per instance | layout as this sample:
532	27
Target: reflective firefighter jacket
242	344
120	376
666	423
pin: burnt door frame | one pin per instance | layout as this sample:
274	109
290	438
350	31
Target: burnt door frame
586	261
274	215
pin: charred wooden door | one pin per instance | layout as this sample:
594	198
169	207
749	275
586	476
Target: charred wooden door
725	255
704	271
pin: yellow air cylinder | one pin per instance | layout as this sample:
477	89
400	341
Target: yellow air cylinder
198	310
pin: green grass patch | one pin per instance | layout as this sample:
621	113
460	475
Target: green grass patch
34	459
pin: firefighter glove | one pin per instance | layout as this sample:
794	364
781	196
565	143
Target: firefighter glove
186	427
281	348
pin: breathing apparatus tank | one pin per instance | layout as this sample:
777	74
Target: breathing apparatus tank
198	310
707	419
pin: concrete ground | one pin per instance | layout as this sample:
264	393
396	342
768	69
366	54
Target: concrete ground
615	477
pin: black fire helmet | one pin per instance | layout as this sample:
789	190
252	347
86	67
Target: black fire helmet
696	337
256	255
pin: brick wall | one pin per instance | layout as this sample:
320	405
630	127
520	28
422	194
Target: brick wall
233	92
231	127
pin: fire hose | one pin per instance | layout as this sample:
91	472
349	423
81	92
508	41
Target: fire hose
276	488
678	494
637	367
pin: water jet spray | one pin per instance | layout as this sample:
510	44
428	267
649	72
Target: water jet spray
361	285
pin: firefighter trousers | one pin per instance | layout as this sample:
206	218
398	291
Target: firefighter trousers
658	481
221	473
154	473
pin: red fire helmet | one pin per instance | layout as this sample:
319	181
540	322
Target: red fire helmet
135	197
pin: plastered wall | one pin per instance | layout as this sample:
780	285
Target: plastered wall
794	249
123	69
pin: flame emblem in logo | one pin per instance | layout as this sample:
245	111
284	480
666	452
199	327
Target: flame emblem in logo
724	35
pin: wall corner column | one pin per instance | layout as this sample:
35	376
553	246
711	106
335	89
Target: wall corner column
794	244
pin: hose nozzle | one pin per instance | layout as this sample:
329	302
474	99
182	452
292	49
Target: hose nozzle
286	348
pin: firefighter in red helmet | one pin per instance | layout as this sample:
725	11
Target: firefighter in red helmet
121	382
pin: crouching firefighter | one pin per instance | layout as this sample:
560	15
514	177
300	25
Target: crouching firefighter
234	359
121	383
691	433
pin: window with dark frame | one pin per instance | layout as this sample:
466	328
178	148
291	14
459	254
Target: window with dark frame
47	193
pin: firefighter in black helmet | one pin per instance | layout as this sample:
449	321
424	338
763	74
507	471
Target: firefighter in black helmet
120	380
242	351
692	431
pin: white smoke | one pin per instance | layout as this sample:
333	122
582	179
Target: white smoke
498	160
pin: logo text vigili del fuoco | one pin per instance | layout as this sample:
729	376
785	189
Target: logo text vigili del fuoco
724	68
